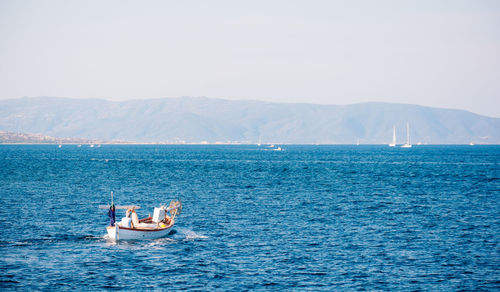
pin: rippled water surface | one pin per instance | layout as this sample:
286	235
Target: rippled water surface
309	217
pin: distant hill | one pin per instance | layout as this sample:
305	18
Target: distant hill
190	119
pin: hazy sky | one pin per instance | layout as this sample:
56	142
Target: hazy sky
435	53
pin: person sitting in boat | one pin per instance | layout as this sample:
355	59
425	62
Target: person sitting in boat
135	219
112	216
167	219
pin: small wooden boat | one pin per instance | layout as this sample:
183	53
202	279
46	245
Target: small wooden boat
159	225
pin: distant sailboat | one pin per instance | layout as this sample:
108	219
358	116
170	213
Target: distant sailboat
260	141
407	144
393	137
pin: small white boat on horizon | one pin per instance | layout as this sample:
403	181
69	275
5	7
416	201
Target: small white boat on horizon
273	147
407	144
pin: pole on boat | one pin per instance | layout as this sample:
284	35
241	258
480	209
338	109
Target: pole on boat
112	198
174	208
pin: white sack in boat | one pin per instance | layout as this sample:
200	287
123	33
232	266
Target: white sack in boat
126	222
158	215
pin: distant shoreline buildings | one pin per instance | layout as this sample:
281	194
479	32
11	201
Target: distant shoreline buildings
7	137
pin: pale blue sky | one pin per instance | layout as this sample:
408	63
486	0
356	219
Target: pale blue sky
434	53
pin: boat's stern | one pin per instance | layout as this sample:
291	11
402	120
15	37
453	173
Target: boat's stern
112	231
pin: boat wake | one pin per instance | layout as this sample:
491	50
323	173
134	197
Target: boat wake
158	243
189	235
52	239
92	237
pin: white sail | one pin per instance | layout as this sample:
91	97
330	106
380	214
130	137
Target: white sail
393	137
407	144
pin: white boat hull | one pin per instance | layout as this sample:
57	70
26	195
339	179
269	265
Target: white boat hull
121	233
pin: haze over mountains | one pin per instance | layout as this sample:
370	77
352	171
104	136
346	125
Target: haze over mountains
198	119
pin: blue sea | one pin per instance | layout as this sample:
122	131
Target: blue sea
306	218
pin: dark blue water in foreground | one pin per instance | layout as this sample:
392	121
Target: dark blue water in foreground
309	217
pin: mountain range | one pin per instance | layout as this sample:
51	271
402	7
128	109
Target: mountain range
200	119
